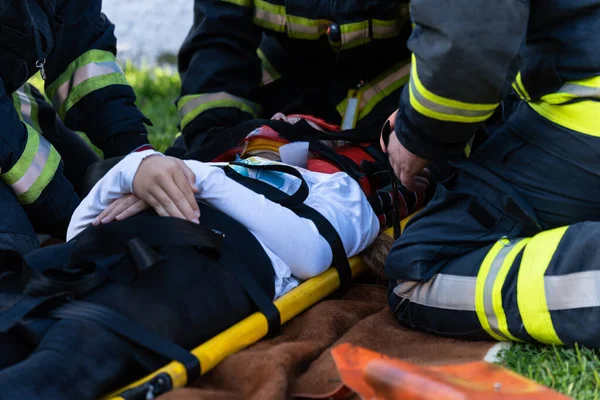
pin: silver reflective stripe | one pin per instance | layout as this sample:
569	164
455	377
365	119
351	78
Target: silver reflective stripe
580	90
83	74
489	286
212	97
25	106
35	169
266	77
388	81
443	108
450	292
354	36
320	28
264	15
380	30
576	290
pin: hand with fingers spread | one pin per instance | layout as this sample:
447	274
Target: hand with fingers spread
409	168
167	185
122	208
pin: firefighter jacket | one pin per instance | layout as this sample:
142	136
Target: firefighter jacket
467	55
73	46
237	46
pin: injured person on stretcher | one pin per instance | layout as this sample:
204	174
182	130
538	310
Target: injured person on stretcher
124	296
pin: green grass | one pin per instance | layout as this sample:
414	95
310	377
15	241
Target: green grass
569	371
574	372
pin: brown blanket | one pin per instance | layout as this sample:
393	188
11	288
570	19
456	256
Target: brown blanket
298	363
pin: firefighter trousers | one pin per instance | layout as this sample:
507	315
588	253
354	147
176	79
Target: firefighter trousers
508	247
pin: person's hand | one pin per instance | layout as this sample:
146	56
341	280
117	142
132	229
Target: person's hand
409	168
123	207
167	185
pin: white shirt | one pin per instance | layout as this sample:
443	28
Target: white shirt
294	245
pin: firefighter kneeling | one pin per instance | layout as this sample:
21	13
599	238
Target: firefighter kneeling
507	248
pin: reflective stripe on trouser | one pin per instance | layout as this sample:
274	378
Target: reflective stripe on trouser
34	169
575	105
374	92
27	106
93	70
193	105
542	289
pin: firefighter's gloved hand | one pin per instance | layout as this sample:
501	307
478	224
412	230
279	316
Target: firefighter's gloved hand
409	168
168	186
122	208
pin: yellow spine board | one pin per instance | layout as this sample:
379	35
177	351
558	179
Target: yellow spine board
255	327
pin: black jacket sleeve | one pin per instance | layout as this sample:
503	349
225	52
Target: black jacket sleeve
219	67
87	86
465	55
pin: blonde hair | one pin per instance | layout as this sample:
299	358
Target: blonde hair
375	255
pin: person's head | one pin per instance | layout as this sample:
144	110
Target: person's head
375	255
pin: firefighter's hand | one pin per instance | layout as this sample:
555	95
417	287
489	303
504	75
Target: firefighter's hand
409	168
168	186
123	207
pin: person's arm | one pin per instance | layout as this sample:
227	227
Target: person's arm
87	86
219	68
307	255
464	59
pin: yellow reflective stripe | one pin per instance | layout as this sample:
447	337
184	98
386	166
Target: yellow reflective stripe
383	87
372	93
442	108
480	290
243	3
518	84
93	70
33	113
89	57
306	28
385	29
354	34
43	179
274	17
579	116
518	91
531	292
193	105
269	73
26	106
22	165
569	106
497	289
89	86
269	15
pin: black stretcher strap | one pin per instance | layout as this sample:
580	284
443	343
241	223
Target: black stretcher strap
386	131
130	330
340	260
286	200
23	307
117	237
258	296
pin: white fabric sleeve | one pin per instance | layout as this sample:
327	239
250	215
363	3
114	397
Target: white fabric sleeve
116	183
340	199
294	239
